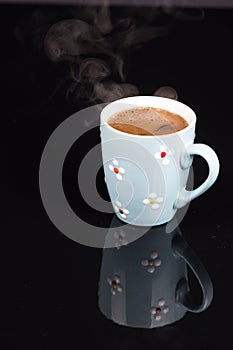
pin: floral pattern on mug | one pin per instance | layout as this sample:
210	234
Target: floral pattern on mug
119	171
115	284
159	310
153	200
163	155
152	262
120	210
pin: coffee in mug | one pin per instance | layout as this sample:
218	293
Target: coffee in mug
147	121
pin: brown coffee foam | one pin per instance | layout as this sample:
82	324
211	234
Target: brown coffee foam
147	121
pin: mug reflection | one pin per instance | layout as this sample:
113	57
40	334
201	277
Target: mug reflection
144	282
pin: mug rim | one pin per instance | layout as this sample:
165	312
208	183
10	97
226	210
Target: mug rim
158	98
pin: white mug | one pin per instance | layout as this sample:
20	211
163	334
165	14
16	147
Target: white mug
146	176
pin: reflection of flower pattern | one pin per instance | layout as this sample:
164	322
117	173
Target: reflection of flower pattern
120	239
152	262
115	284
159	310
163	154
122	212
118	171
153	200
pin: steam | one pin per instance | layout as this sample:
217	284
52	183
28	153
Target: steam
96	45
166	91
110	91
99	16
95	83
68	39
74	40
92	70
133	36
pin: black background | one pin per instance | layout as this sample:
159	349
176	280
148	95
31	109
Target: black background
49	282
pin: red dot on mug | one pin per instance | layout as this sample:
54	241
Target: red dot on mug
163	154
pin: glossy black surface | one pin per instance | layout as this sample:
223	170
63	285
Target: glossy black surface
49	282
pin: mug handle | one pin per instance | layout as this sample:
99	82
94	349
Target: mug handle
186	160
182	295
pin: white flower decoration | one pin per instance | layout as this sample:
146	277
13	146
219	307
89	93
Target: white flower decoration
120	210
163	154
115	284
153	200
119	171
152	262
158	311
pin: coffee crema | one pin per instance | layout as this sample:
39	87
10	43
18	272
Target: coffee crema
147	121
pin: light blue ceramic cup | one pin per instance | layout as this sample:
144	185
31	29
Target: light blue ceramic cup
146	176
